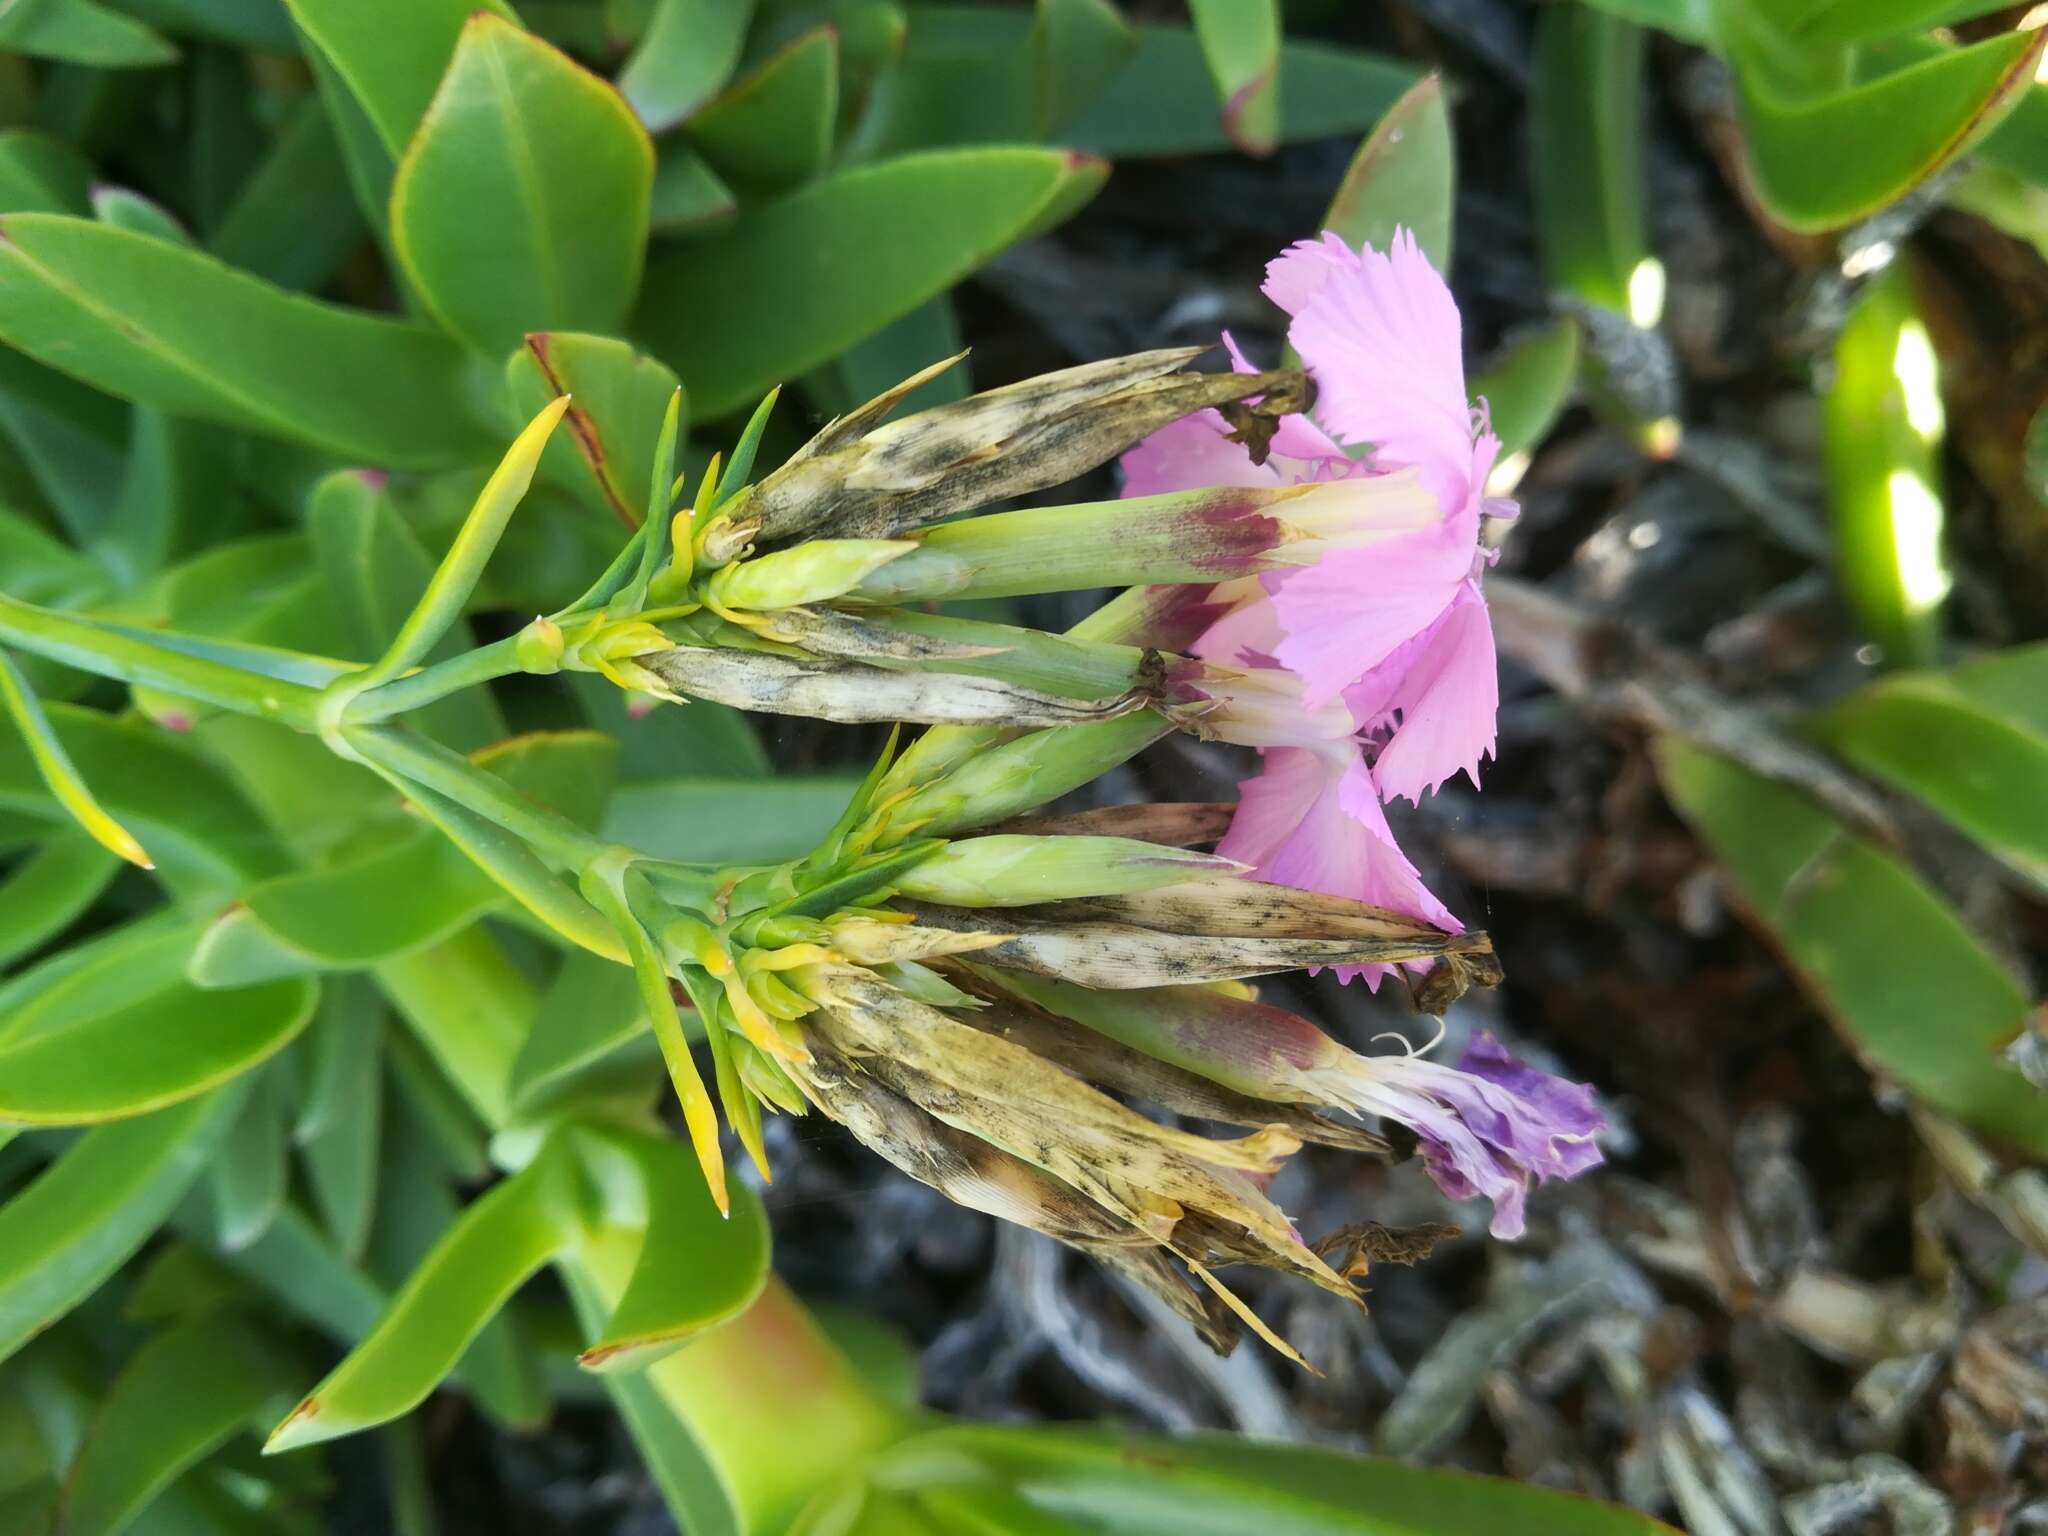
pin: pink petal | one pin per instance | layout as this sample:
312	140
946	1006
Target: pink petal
1297	274
1346	614
1312	820
1447	696
1383	341
1191	453
1245	636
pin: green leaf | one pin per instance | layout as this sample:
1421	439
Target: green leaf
1905	981
169	327
1404	174
248	1175
39	174
58	772
1528	387
1241	41
1906	126
340	1152
899	349
2008	684
688	51
66	1062
182	1396
1881	422
1586	104
1077	48
1151	108
470	1007
616	400
81	32
375	570
490	1251
293	222
1686	19
696	1268
258	24
590	1028
49	890
799	280
2019	143
772	128
201	832
1858	21
727	821
522	202
66	435
1156	1487
449	589
390	53
688	197
345	917
1922	734
97	1204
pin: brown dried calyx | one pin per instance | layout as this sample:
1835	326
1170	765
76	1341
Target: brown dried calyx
863	477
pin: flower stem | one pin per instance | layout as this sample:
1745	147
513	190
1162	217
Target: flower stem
128	658
402	695
558	840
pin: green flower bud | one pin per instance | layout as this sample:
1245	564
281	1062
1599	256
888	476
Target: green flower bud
1027	871
813	572
539	647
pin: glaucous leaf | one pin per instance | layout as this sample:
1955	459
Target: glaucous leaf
85	1214
1906	125
772	127
825	266
521	204
1404	175
293	222
1158	1487
1977	766
170	327
1157	106
390	53
1586	107
41	174
1878	951
1241	42
82	32
50	889
181	1396
688	51
688	197
1529	385
248	1175
727	821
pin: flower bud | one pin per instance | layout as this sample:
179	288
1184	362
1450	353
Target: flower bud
539	647
812	572
1027	871
851	693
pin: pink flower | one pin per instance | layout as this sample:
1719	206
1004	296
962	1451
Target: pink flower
1491	1125
1383	636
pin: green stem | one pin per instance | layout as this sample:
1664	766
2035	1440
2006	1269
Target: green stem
402	695
127	658
554	837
